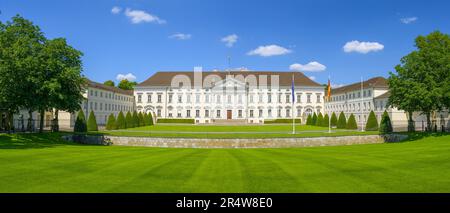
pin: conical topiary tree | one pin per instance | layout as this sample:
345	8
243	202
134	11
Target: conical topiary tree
92	122
333	120
342	122
309	120
351	124
135	119
326	121
120	122
319	119
372	123
141	119
129	120
385	124
150	119
80	122
314	120
111	123
145	117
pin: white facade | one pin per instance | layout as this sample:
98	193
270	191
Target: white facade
229	99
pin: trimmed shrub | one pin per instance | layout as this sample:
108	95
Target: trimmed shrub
141	119
342	122
326	121
176	120
319	119
135	119
372	123
92	122
314	120
385	125
351	124
80	123
333	120
129	120
111	123
309	120
120	122
150	119
282	121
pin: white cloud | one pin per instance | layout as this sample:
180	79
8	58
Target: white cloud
116	10
312	77
181	36
313	66
139	16
129	77
362	47
230	40
269	50
337	85
408	20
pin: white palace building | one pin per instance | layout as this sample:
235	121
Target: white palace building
224	97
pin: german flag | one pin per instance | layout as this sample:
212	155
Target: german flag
329	90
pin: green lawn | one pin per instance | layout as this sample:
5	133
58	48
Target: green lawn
44	163
247	131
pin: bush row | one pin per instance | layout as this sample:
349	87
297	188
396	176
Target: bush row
176	120
130	120
282	121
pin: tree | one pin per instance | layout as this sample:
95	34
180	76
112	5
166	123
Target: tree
319	119
129	120
342	122
314	120
111	123
126	85
135	119
372	123
92	122
109	83
351	124
422	82
80	122
385	124
120	122
333	120
141	119
326	121
150	119
309	120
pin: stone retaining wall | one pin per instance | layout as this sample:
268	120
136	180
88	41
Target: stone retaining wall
236	143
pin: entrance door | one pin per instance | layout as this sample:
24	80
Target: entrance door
229	114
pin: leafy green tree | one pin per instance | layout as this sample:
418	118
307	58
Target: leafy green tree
141	119
135	119
342	121
333	120
120	122
372	123
351	124
385	124
326	121
319	119
150	119
129	120
80	122
314	120
111	123
126	85
109	83
309	120
422	82
92	122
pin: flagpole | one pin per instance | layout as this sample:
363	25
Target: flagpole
293	117
328	100
361	109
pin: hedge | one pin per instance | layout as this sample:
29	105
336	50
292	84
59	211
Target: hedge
372	123
351	124
120	122
129	123
176	120
314	120
319	119
111	123
92	122
333	120
342	123
385	125
80	123
282	121
326	121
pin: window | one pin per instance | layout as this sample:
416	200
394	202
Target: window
240	113
149	98
279	113
251	98
206	113
279	98
318	98
288	99
251	113
180	99
92	92
299	112
207	98
101	106
197	98
229	99
188	113
308	98
158	112
260	113
218	113
159	98
170	98
288	113
179	114
269	98
91	106
269	112
139	98
95	93
369	93
299	98
170	114
197	113
260	100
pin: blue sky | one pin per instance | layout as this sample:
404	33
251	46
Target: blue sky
141	37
